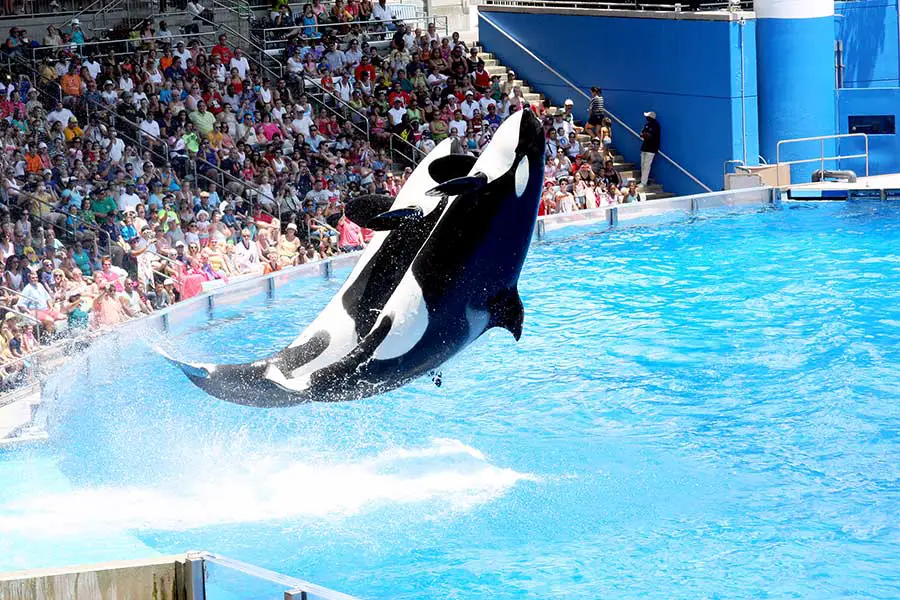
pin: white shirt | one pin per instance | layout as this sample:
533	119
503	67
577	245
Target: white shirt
302	125
150	127
127	201
468	108
382	13
396	115
182	57
241	64
116	149
461	127
93	68
62	115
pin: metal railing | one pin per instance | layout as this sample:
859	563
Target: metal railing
410	154
581	92
822	158
331	101
274	37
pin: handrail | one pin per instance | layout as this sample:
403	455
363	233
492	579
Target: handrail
14	292
387	34
583	94
364	119
84	10
413	156
822	158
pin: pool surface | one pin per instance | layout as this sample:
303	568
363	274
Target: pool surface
705	408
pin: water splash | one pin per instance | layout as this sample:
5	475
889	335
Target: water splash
275	485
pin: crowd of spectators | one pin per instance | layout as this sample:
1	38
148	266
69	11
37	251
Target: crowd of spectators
423	87
132	180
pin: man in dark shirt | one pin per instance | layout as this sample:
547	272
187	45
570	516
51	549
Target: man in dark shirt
650	135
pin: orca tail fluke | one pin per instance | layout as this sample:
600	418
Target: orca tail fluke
245	384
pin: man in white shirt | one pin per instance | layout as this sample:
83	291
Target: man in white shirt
382	12
246	254
240	62
317	195
150	128
459	123
116	146
469	106
128	199
92	66
182	54
301	124
396	112
59	113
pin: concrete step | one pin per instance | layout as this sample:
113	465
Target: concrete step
659	195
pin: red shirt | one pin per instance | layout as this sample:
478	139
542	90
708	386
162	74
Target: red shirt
361	68
223	52
404	97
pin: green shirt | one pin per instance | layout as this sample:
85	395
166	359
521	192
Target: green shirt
204	122
104	206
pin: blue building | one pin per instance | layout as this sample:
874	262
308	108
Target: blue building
726	86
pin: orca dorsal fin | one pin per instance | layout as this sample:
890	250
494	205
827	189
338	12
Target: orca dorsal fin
507	312
460	185
450	167
363	209
395	218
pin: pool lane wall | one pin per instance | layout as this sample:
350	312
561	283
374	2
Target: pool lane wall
698	72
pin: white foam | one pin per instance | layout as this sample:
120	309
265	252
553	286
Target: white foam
265	488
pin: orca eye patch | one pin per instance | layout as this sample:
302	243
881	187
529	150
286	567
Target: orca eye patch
521	176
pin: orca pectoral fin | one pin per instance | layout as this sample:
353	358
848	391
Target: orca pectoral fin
460	185
363	209
452	166
507	312
395	218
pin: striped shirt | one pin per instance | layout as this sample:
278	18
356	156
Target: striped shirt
596	107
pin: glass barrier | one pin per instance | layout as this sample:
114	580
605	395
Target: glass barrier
229	579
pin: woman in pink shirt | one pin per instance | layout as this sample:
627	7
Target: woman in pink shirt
349	235
107	275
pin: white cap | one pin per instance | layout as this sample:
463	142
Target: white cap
650	114
76	22
292	226
168	281
569	102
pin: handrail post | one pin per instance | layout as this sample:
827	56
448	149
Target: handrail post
822	150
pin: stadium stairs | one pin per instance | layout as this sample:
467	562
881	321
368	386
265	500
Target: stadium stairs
626	170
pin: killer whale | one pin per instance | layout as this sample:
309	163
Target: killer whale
461	282
353	309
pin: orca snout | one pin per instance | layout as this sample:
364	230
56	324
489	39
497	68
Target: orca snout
531	135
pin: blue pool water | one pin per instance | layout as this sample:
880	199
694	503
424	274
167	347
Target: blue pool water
704	408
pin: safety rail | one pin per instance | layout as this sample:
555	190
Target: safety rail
410	154
583	94
327	98
276	36
822	158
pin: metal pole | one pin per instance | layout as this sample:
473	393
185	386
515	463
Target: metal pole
822	150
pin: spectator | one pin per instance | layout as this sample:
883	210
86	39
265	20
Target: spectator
596	112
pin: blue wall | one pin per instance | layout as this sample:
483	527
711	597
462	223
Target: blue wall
884	150
795	61
869	30
688	71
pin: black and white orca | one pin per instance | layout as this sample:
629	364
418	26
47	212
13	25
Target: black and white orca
442	270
